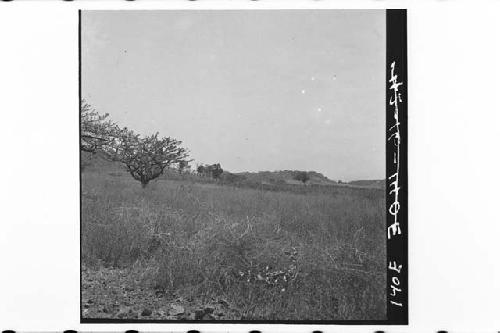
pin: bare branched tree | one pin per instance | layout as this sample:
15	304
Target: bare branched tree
146	158
97	131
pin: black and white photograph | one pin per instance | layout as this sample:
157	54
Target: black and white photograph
233	165
249	166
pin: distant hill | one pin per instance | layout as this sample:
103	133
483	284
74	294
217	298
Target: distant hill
285	177
378	183
98	162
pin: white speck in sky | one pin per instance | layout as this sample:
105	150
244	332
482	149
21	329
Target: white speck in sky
313	78
335	77
303	91
319	110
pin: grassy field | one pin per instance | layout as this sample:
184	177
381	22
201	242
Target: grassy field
277	254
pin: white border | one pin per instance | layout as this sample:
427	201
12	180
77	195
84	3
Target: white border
454	271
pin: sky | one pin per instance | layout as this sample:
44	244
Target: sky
253	90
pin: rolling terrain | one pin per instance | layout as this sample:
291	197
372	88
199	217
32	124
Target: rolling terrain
188	247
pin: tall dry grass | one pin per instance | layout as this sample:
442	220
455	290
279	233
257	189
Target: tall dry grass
270	254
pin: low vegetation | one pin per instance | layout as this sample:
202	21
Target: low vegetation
296	246
270	254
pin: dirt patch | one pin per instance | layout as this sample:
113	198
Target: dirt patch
118	294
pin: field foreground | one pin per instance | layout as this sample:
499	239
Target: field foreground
180	249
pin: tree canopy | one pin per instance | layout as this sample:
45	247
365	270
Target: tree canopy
97	131
144	157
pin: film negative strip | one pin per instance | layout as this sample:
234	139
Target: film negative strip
397	167
213	246
189	230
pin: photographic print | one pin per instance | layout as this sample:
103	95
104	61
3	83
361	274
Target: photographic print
243	166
